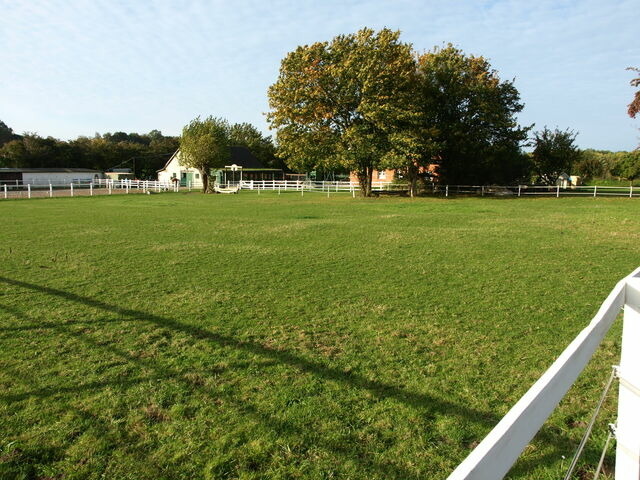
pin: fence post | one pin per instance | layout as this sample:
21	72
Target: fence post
595	190
446	191
557	190
353	192
71	184
630	191
5	190
482	194
519	187
91	189
109	185
279	189
302	190
50	191
627	432
28	190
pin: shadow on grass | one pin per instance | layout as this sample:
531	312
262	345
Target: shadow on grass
425	402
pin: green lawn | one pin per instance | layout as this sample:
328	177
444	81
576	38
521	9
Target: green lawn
181	336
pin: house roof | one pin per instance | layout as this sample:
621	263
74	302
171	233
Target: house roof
48	170
240	156
243	157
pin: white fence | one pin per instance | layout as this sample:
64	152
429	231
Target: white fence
108	187
97	187
495	455
443	190
536	190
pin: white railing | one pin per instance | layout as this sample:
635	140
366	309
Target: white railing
495	455
538	190
319	186
109	186
96	187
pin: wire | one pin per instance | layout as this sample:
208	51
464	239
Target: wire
604	452
583	442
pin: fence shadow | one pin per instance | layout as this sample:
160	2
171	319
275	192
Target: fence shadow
427	403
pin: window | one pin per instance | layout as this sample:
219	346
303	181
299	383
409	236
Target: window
382	174
197	175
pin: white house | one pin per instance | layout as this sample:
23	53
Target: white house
45	176
249	165
174	169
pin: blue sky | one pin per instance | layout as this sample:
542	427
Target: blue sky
72	67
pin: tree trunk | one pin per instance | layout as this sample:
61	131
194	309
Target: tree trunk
364	179
206	186
412	177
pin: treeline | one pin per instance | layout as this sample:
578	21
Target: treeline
595	164
143	153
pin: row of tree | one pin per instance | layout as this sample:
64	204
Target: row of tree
145	153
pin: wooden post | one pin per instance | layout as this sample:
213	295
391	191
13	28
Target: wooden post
28	190
482	195
519	187
109	185
278	189
595	190
50	191
71	188
558	191
630	191
302	190
91	189
446	191
5	190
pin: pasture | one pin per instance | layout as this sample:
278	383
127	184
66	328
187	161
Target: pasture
181	336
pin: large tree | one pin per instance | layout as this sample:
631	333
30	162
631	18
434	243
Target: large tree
555	152
348	103
473	114
204	145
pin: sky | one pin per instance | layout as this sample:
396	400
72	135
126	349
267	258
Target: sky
75	67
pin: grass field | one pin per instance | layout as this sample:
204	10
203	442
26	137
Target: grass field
181	336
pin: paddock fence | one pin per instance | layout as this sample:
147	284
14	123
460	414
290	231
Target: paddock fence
111	187
500	449
79	189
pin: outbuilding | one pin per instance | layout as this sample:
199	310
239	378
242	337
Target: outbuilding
240	157
45	176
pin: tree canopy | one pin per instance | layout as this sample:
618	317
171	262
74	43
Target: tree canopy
366	101
246	135
634	106
555	152
348	103
473	113
204	145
